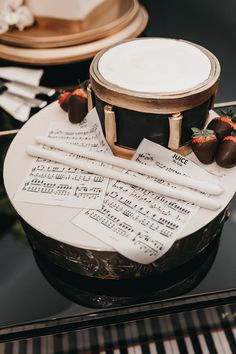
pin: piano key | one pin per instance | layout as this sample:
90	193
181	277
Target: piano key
212	321
28	348
16	347
82	341
93	339
189	345
108	339
57	339
203	344
122	339
174	346
65	343
50	344
116	351
36	345
167	346
178	331
72	338
225	315
206	330
152	348
192	332
8	348
157	336
142	336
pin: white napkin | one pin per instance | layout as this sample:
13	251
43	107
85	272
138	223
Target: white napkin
16	109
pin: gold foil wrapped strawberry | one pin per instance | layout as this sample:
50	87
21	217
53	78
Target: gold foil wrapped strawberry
204	144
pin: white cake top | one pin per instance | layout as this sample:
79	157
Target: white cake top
155	65
63	9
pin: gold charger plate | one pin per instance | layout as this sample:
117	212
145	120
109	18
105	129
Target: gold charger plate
75	53
106	19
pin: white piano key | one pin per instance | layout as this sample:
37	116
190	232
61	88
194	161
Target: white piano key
29	346
2	348
217	342
189	345
65	343
203	344
50	345
102	352
138	349
116	351
224	342
174	346
131	349
15	347
168	347
152	348
43	341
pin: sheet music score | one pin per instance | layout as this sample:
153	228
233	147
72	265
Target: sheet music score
52	183
140	224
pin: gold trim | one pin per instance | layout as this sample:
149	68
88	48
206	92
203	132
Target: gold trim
163	103
175	128
90	98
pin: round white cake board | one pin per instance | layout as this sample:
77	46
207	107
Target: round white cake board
55	221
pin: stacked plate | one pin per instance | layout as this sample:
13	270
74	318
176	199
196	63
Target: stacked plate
50	42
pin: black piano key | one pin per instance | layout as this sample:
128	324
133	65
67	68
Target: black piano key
142	337
122	342
179	333
193	334
8	348
108	346
36	345
157	336
206	330
72	340
93	340
23	346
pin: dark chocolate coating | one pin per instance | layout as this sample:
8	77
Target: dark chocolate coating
226	154
221	129
206	151
133	126
65	104
78	109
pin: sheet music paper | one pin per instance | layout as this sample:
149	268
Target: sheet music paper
140	224
52	183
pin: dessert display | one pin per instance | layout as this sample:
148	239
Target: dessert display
155	88
125	226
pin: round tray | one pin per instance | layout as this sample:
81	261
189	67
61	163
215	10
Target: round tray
74	53
108	18
50	230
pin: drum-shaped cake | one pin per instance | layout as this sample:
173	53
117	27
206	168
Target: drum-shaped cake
154	88
116	228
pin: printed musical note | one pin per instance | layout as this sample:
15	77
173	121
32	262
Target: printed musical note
55	184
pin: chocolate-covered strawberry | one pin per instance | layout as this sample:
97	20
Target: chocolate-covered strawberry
204	145
64	100
78	106
226	154
223	125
